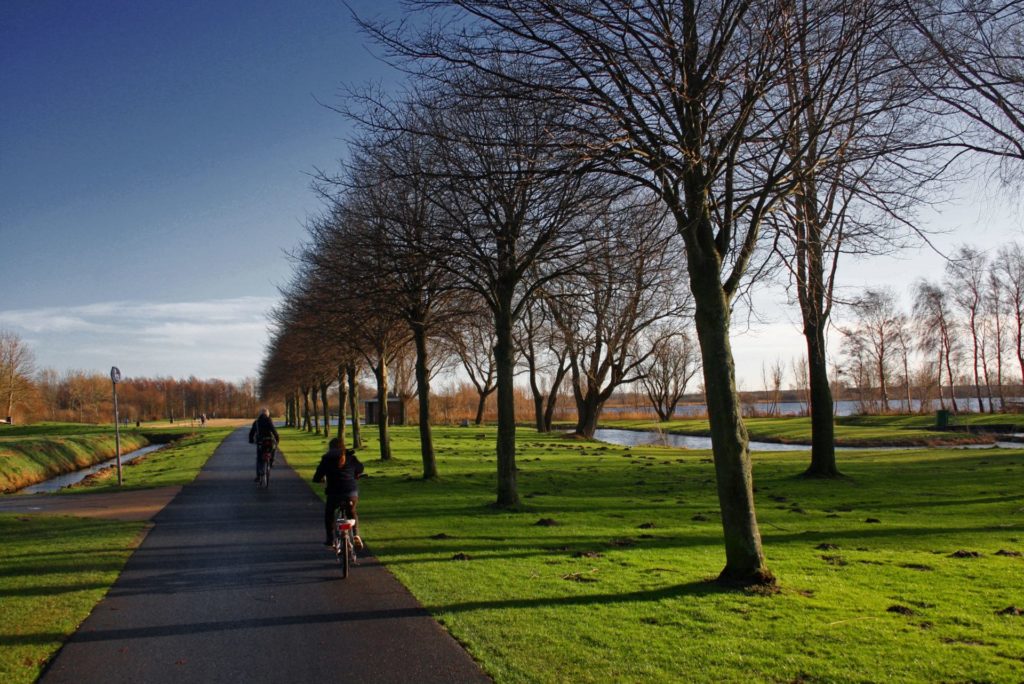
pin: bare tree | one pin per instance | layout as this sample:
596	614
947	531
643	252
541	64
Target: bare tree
971	61
512	201
938	333
671	94
772	376
545	357
853	134
472	343
673	363
965	279
17	365
1009	268
874	336
607	312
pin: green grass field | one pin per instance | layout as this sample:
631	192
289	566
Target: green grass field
604	575
54	569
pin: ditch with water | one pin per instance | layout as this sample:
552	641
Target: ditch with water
68	479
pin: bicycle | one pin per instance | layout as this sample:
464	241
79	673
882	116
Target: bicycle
344	539
267	448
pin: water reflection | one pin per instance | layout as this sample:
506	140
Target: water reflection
643	438
649	437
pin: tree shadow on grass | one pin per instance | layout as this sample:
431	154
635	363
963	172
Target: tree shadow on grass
693	590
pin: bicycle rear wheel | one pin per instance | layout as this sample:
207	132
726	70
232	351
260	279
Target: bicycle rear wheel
346	554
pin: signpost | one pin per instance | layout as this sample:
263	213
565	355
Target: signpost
115	377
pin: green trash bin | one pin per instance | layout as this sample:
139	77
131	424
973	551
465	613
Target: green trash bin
942	419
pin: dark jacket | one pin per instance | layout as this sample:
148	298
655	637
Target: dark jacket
262	428
340	481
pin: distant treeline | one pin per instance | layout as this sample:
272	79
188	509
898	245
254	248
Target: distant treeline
87	397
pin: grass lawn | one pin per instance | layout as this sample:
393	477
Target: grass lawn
54	569
604	574
853	431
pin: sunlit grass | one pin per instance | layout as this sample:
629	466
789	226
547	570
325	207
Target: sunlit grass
53	570
616	589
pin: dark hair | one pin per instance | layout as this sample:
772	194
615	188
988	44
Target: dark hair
334	443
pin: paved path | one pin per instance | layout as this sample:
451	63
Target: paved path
233	585
132	504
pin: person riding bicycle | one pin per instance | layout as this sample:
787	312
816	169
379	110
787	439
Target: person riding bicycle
263	429
341	469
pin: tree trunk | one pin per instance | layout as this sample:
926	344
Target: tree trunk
823	446
342	401
504	358
316	412
381	372
353	406
423	390
589	408
745	562
327	409
538	396
307	425
480	408
549	409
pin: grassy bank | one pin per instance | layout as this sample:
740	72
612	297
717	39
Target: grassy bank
176	464
53	570
851	431
603	577
36	453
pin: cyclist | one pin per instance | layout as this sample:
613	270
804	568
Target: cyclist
341	469
263	429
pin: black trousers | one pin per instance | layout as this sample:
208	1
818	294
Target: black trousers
333	503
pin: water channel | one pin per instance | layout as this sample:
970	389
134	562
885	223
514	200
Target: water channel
649	437
68	479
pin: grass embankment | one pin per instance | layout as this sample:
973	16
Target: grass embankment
176	464
54	569
613	585
31	454
850	431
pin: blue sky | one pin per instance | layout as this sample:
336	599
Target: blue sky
156	153
154	161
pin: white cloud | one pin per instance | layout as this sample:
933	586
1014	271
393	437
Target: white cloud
214	338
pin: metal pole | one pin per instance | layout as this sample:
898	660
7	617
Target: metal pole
115	376
117	438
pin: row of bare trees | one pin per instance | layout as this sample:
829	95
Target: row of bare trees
534	134
84	396
968	329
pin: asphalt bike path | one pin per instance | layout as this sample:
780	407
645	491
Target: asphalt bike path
232	584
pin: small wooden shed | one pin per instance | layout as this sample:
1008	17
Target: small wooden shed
396	411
